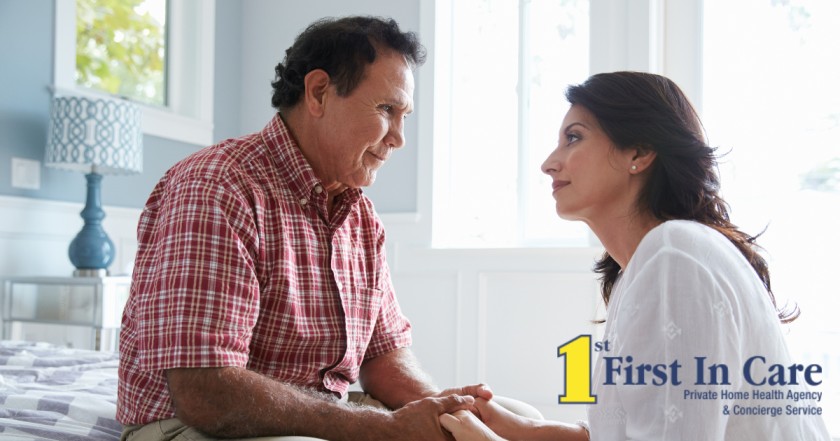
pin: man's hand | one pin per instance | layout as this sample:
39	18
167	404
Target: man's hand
419	420
476	391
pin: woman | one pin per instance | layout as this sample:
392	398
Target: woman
680	281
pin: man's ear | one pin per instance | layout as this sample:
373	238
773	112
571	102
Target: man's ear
315	86
642	159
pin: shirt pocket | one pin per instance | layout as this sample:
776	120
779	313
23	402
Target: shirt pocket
361	312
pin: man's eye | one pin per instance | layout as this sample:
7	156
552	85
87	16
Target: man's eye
387	107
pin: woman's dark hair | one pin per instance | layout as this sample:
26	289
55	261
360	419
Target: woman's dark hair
343	48
650	112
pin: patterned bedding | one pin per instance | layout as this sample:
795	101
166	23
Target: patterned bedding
53	393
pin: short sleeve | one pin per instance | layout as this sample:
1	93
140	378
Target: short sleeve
197	289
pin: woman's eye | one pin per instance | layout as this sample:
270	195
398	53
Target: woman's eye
571	137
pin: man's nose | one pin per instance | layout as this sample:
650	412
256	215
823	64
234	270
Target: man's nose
395	137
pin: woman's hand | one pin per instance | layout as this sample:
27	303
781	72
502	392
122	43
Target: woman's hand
498	424
502	421
464	426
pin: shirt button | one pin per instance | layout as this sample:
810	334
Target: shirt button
319	189
303	201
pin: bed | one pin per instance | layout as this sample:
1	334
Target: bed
53	393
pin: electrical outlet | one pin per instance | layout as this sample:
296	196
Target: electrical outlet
26	174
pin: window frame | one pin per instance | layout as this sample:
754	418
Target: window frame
188	116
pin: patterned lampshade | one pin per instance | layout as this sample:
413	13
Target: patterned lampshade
96	135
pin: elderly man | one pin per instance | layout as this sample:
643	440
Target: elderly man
261	289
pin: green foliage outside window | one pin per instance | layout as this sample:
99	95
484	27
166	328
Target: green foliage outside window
120	49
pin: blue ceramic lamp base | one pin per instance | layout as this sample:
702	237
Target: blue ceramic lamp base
92	251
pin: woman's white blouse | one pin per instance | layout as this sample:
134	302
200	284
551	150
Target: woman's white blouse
688	293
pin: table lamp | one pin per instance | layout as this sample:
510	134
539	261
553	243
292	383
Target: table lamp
94	136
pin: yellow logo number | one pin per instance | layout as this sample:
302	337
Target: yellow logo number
578	367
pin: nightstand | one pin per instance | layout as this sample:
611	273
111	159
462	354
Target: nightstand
82	312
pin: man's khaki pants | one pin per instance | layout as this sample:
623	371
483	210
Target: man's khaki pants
174	430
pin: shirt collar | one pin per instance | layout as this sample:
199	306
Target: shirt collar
295	170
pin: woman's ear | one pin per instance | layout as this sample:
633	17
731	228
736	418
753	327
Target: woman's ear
315	86
641	159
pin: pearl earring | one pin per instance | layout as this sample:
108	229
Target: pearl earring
633	167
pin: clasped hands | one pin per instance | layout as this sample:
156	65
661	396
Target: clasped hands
472	424
464	413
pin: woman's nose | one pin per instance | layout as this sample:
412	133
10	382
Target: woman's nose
551	163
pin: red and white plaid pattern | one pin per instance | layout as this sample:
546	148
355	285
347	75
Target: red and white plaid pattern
240	264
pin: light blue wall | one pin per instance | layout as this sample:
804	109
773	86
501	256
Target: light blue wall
270	27
26	42
26	51
26	65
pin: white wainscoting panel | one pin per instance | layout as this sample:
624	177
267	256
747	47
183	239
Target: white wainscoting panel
431	301
524	317
35	235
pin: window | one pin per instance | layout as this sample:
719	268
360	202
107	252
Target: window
185	112
491	131
771	102
121	48
507	71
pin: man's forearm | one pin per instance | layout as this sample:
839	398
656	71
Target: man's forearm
396	379
235	402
